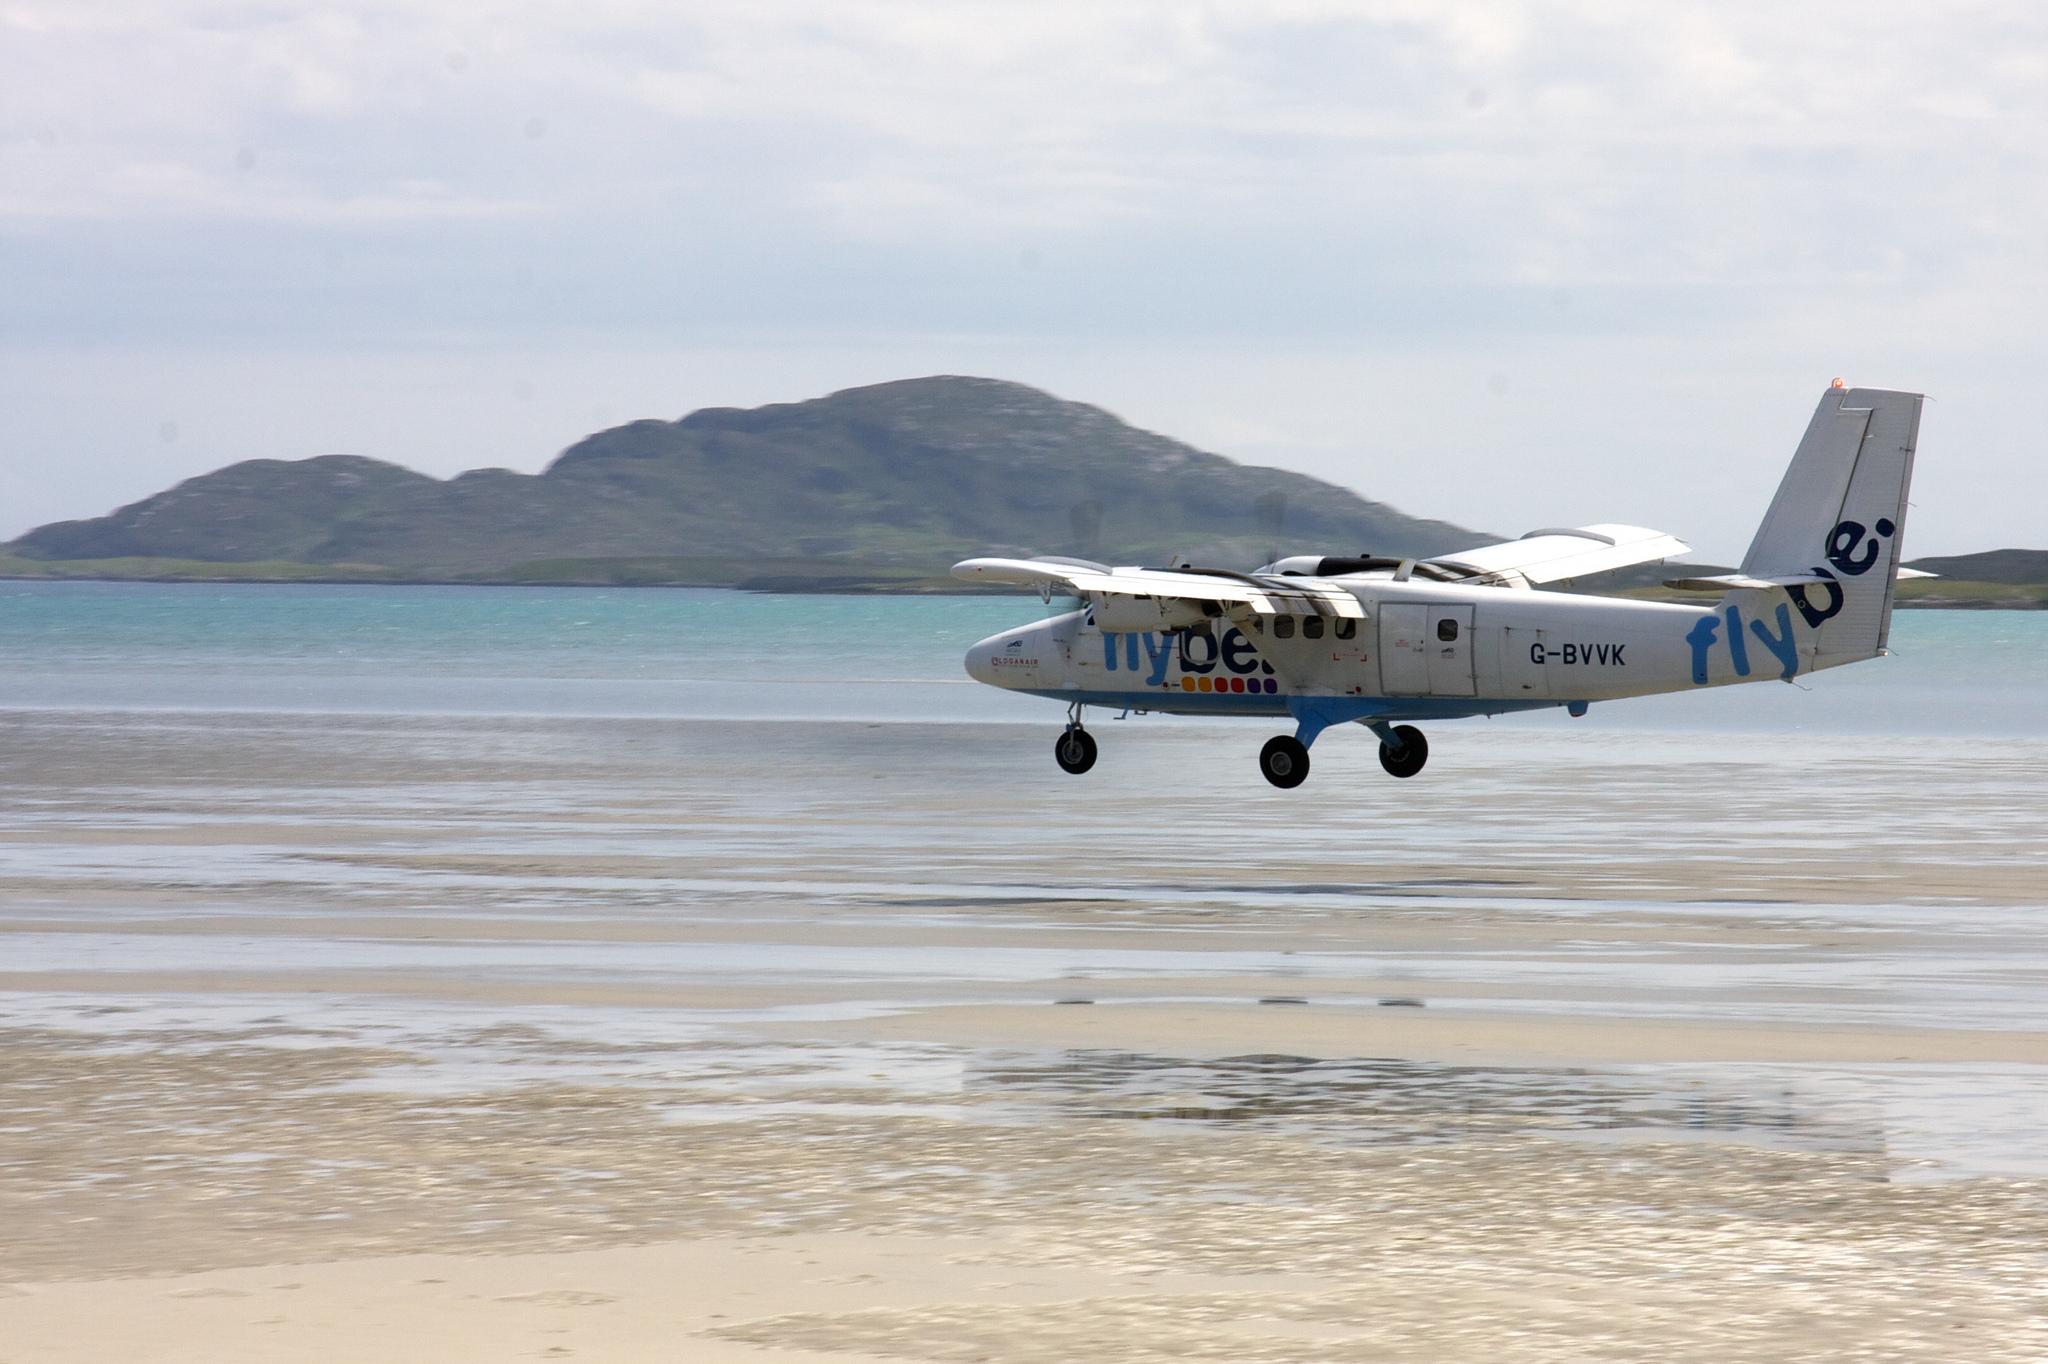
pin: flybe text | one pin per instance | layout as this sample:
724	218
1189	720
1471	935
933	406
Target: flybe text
1851	551
1153	653
1604	655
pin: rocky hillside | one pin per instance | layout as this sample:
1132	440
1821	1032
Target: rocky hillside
909	475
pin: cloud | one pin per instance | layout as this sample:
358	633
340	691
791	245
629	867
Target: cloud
1534	143
1537	190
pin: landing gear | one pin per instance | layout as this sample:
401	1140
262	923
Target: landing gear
1075	751
1284	760
1403	750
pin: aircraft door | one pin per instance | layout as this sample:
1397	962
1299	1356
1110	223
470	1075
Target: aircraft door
1404	657
1524	670
1449	642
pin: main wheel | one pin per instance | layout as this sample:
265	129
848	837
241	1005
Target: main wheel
1284	760
1408	759
1075	751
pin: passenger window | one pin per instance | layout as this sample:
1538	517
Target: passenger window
1346	628
1311	627
1283	627
1447	630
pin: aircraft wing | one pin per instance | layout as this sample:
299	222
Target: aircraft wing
1548	556
1169	593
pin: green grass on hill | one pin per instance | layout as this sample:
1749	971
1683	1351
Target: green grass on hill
194	570
1952	592
768	575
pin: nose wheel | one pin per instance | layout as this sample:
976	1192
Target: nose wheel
1284	761
1403	751
1074	751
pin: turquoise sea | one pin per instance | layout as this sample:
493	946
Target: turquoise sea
702	654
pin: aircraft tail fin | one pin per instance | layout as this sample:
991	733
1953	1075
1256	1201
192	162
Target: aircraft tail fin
1839	519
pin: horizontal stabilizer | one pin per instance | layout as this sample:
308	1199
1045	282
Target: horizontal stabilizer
1723	582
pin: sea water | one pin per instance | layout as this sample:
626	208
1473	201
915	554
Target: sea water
708	654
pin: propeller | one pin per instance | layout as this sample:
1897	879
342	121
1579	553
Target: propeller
1268	524
1085	520
1269	512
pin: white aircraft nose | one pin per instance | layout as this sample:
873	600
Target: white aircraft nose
980	659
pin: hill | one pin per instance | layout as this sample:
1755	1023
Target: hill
2025	567
891	481
2014	578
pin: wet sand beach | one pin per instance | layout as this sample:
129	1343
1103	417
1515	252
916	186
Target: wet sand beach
442	1038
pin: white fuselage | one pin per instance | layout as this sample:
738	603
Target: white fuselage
1422	650
1330	640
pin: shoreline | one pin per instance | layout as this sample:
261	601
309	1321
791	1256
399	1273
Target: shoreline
1919	595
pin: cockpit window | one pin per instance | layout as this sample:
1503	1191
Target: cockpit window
1283	627
1311	627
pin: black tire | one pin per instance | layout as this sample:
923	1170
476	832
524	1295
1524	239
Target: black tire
1410	757
1284	761
1074	751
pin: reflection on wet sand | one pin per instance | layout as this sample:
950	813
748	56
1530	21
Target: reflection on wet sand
522	991
1389	1101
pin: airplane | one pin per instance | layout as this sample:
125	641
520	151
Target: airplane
1328	640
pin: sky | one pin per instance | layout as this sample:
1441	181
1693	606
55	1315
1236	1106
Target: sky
1511	265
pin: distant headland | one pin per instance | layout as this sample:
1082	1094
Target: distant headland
877	488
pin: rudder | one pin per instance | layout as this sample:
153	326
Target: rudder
1838	522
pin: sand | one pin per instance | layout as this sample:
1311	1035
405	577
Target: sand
336	1039
1039	1210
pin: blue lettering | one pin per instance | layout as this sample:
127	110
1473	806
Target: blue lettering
1814	615
1131	652
1701	638
1159	653
1738	647
1108	652
1843	541
1782	645
1238	654
1188	662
